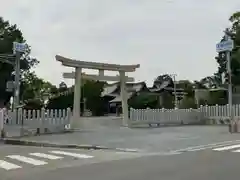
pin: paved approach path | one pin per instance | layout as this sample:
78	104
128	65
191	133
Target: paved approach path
144	139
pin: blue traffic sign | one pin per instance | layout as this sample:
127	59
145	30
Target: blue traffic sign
224	46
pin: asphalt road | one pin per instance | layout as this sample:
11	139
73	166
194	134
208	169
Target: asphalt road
199	165
172	153
218	161
21	162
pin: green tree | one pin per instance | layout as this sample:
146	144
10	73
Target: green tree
235	55
187	86
163	81
187	102
34	88
91	92
143	101
9	34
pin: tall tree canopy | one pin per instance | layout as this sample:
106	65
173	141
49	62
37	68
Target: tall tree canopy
33	87
235	55
8	34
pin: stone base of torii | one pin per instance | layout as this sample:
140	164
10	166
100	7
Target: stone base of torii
101	67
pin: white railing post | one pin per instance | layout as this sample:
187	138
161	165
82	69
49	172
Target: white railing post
216	111
2	123
43	126
237	110
38	123
69	117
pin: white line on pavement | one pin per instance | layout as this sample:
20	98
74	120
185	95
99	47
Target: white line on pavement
227	147
206	146
84	156
27	160
8	166
47	156
236	150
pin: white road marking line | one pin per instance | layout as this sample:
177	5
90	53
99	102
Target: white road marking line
206	146
8	166
236	150
197	149
84	156
27	160
227	148
47	156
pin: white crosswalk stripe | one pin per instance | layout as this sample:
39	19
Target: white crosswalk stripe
47	156
84	156
8	166
236	150
28	160
12	162
227	148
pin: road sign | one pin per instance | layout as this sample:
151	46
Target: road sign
19	47
224	46
10	86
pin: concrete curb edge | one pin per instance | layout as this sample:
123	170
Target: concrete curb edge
71	146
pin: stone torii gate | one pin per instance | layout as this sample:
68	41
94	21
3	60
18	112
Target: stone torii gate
101	67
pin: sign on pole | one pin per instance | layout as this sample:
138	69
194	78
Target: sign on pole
19	47
225	46
10	86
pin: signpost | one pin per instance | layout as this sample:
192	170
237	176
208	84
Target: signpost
10	86
18	49
227	46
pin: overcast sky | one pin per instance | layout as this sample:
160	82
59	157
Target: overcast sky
163	36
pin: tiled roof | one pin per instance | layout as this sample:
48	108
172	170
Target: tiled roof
110	89
119	99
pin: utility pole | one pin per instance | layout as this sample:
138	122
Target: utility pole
17	80
228	57
175	90
226	47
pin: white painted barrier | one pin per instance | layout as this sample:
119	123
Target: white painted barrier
37	121
164	116
216	114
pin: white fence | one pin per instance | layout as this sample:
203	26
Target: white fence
217	114
164	116
35	121
220	111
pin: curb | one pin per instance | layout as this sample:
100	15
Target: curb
56	145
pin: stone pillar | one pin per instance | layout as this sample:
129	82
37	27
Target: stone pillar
77	97
124	98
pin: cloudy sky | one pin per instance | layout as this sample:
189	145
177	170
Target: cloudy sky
163	36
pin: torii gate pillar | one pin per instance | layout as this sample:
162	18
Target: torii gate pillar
124	98
77	93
